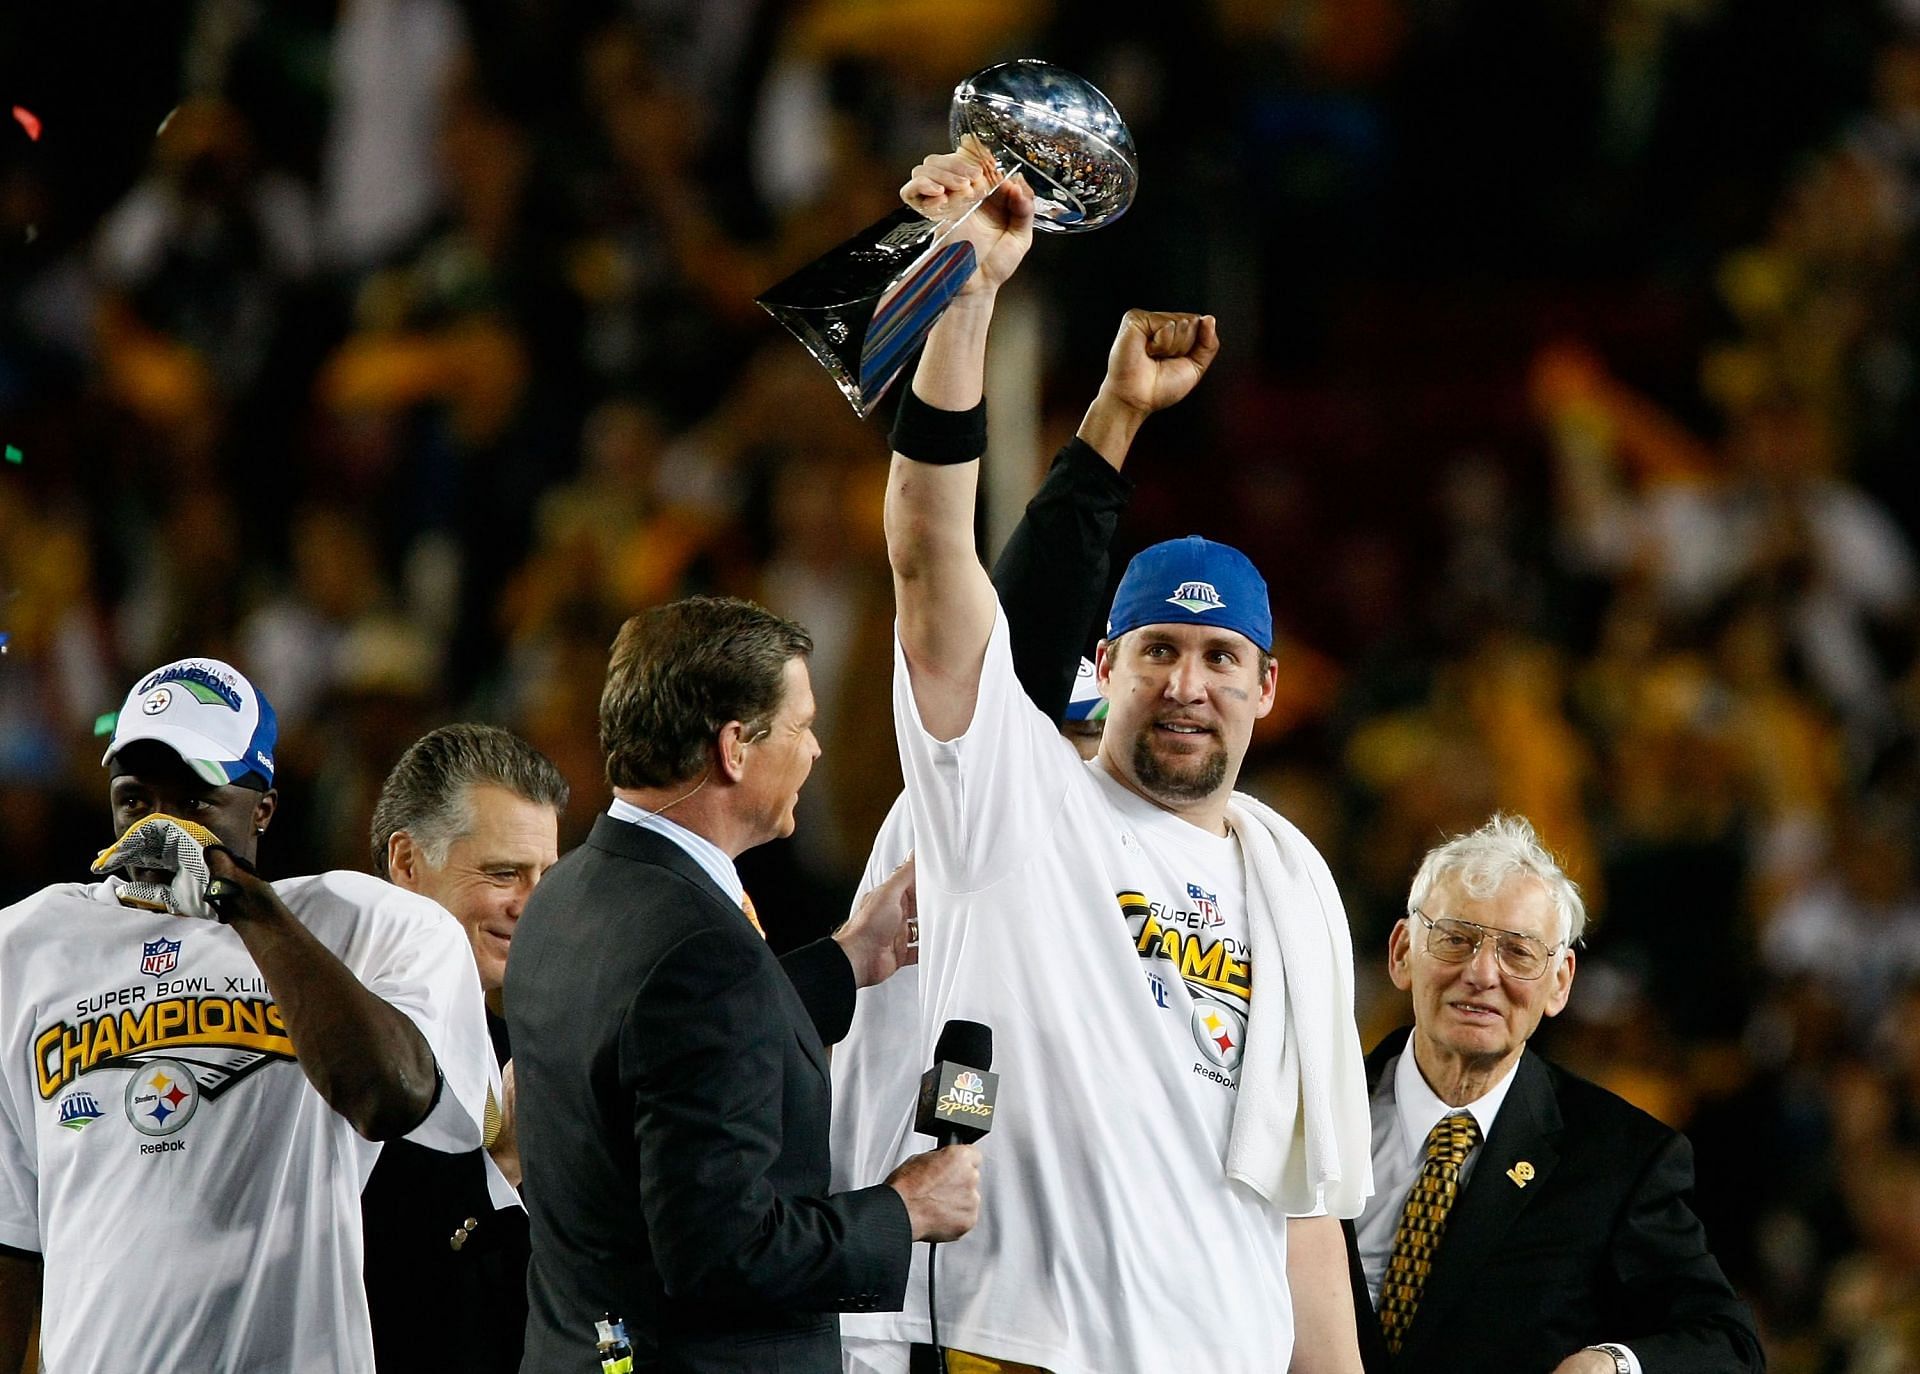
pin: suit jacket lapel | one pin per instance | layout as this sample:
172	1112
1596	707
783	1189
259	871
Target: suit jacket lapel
1527	1129
1384	1054
641	845
645	846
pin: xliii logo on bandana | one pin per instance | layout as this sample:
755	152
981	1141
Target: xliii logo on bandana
1198	597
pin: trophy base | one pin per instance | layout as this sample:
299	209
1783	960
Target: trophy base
864	308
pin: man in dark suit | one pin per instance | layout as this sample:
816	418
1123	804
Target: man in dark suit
672	1075
1523	1220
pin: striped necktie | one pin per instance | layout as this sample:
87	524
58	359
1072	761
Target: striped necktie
753	917
1423	1223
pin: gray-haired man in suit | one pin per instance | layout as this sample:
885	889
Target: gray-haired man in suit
1522	1219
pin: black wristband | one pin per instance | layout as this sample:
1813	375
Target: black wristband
928	434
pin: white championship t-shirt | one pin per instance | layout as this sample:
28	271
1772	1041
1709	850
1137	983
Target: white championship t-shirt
876	1078
195	1202
1104	941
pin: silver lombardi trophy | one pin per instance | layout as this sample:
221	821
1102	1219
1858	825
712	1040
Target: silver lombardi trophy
864	308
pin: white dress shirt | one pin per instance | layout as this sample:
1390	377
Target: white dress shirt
703	851
1405	1111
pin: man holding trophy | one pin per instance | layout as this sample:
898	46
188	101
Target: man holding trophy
1175	1136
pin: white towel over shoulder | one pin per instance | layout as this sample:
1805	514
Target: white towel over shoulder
1301	1134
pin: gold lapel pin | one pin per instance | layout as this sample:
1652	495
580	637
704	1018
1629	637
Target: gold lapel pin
1521	1174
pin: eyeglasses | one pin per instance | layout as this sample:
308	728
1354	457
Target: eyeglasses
1454	942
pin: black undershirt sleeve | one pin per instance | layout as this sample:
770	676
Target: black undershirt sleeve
1052	575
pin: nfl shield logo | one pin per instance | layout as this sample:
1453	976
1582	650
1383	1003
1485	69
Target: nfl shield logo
160	956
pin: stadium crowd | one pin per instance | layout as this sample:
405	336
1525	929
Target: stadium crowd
421	352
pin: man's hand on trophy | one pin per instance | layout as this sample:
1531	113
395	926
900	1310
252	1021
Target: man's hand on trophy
947	186
1157	358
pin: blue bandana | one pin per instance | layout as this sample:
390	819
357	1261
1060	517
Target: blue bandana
1193	581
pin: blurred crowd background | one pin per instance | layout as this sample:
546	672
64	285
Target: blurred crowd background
1569	399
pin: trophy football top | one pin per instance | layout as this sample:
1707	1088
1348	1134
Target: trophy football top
1058	128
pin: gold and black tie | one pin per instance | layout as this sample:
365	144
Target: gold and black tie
1423	1223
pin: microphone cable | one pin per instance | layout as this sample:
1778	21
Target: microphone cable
933	1311
929	1357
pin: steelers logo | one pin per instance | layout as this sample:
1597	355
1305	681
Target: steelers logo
1220	1032
158	700
161	1097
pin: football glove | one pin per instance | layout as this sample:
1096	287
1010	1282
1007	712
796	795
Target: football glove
169	845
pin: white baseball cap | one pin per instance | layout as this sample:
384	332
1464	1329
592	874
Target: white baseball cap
206	712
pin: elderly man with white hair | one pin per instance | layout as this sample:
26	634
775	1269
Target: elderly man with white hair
1523	1219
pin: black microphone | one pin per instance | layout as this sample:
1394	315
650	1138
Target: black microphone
956	1104
957	1093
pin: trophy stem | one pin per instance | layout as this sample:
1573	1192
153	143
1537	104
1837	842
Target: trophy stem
864	308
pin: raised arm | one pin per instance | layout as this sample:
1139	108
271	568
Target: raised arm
944	599
1052	574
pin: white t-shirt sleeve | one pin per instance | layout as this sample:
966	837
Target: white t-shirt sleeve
435	985
418	961
19	1181
982	801
19	1153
